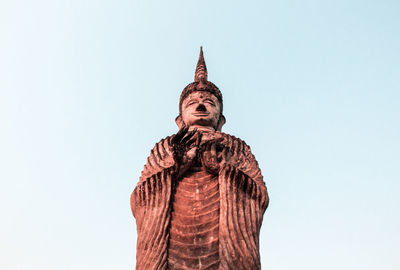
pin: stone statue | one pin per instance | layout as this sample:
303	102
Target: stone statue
200	199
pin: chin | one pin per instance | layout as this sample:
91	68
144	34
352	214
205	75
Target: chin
203	122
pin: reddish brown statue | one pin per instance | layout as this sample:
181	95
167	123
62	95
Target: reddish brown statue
200	199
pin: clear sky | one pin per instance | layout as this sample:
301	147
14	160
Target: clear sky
88	87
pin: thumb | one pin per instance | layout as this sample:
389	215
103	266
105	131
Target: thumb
192	152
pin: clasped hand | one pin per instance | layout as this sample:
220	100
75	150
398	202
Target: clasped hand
215	155
187	149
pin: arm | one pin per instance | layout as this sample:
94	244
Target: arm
171	156
243	201
176	152
231	153
161	158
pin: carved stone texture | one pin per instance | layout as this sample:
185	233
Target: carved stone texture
200	200
195	222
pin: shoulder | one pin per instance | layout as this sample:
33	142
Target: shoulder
234	141
231	137
242	157
160	158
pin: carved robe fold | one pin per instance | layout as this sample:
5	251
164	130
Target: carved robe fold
242	197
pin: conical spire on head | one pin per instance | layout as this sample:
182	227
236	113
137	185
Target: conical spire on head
201	68
200	82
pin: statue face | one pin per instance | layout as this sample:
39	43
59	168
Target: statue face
201	109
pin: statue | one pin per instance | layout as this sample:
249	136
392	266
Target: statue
200	199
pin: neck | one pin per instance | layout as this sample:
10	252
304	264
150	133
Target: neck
202	128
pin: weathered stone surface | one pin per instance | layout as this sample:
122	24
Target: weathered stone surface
200	199
195	222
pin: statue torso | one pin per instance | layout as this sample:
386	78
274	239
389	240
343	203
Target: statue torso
199	220
194	229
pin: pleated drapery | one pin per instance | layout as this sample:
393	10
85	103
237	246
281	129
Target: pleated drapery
243	199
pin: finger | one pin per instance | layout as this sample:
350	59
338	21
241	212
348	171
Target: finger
202	148
223	154
213	154
188	136
180	134
191	153
207	150
205	156
214	150
199	139
209	147
185	132
191	141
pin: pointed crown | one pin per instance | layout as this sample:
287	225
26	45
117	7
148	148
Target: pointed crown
200	83
201	69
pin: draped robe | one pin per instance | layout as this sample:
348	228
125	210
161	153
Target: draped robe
243	199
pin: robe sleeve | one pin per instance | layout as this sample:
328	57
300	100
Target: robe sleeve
244	199
150	203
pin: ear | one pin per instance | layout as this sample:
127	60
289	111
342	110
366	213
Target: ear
179	122
221	122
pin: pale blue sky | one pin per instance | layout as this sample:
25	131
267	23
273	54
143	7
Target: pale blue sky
88	87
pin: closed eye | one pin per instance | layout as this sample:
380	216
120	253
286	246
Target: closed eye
209	101
190	103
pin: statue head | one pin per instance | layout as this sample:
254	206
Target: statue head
200	103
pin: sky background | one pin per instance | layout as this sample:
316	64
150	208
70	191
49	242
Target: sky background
88	87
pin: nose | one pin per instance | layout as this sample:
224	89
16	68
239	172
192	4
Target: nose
201	108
